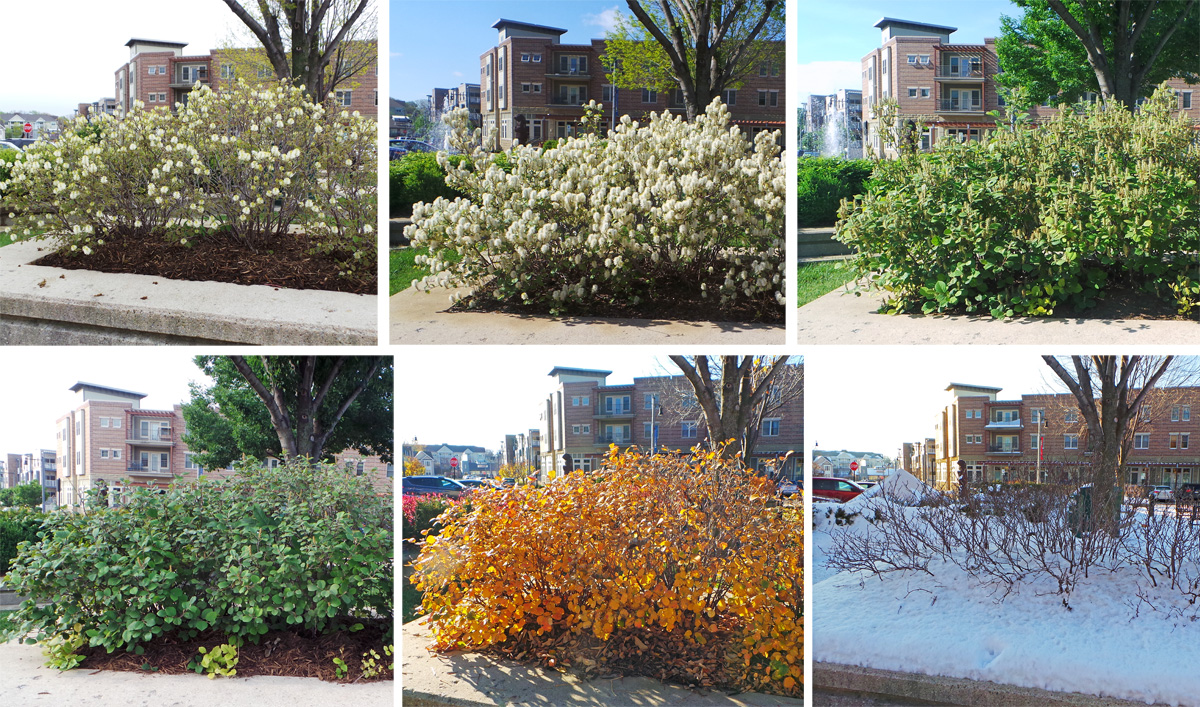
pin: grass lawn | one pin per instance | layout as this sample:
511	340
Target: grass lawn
4	239
403	268
410	596
820	278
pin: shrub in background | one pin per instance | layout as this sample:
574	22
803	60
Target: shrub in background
17	526
7	158
417	177
822	183
419	512
659	543
647	210
25	496
251	161
298	547
1036	218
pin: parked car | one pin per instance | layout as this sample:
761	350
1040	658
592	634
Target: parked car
6	145
787	488
1189	492
1162	493
866	484
427	484
834	488
402	146
477	483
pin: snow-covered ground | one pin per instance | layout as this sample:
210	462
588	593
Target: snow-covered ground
1105	644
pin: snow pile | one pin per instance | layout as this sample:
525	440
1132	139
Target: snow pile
1108	643
905	488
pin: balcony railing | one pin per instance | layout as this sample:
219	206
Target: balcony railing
146	468
614	439
1003	449
559	101
612	410
1004	424
154	435
957	72
950	105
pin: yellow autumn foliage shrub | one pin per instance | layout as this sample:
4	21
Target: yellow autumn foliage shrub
652	542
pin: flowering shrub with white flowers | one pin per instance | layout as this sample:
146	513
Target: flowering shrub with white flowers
644	212
249	161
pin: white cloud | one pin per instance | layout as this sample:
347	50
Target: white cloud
457	74
826	77
605	20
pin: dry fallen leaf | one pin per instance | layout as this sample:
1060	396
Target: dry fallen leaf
42	283
143	298
98	294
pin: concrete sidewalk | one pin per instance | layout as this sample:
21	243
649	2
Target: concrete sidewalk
26	682
891	686
843	318
421	318
473	680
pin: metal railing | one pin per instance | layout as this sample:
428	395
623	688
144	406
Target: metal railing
950	105
1003	449
946	71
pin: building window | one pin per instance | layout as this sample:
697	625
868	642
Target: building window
729	96
925	59
1145	413
1141	441
343	98
575	429
646	431
912	58
525	88
535	130
1183	440
116	454
676	99
104	421
648	401
688	430
1037	415
1174	413
537	58
768	98
162	98
1071	416
649	96
104	454
360	468
537	87
1070	441
1185	100
1173	440
1187	413
572	64
924	93
770	427
912	92
227	71
1033	441
764	68
265	73
525	58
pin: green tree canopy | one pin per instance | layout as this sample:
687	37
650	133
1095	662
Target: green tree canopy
289	406
701	47
1120	49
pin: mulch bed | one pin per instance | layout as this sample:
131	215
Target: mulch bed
673	301
218	257
280	653
654	653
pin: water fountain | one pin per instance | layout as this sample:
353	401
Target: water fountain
833	143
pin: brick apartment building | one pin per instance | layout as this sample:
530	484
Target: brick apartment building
1012	440
584	415
949	87
109	441
464	95
533	88
160	75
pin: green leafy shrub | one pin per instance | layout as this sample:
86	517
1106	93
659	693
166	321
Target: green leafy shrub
24	496
17	526
221	660
417	177
297	547
1037	218
822	183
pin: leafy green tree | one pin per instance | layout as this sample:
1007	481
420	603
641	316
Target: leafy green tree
1118	48
290	406
24	496
701	47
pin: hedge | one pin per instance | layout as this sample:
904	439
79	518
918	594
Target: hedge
822	183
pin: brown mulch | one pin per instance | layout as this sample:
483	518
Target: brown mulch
674	301
280	653
654	653
218	257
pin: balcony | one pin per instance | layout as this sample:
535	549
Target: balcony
603	440
1004	425
613	412
157	437
559	101
950	105
156	472
578	74
1003	449
945	72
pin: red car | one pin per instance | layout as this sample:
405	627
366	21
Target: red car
834	488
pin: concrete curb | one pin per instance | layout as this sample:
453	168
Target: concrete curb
937	690
474	680
421	318
845	318
43	305
818	242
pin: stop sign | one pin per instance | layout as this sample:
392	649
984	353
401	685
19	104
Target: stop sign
453	462
853	466
28	127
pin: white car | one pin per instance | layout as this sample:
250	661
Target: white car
1162	493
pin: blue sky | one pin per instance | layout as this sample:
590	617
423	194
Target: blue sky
832	37
438	42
